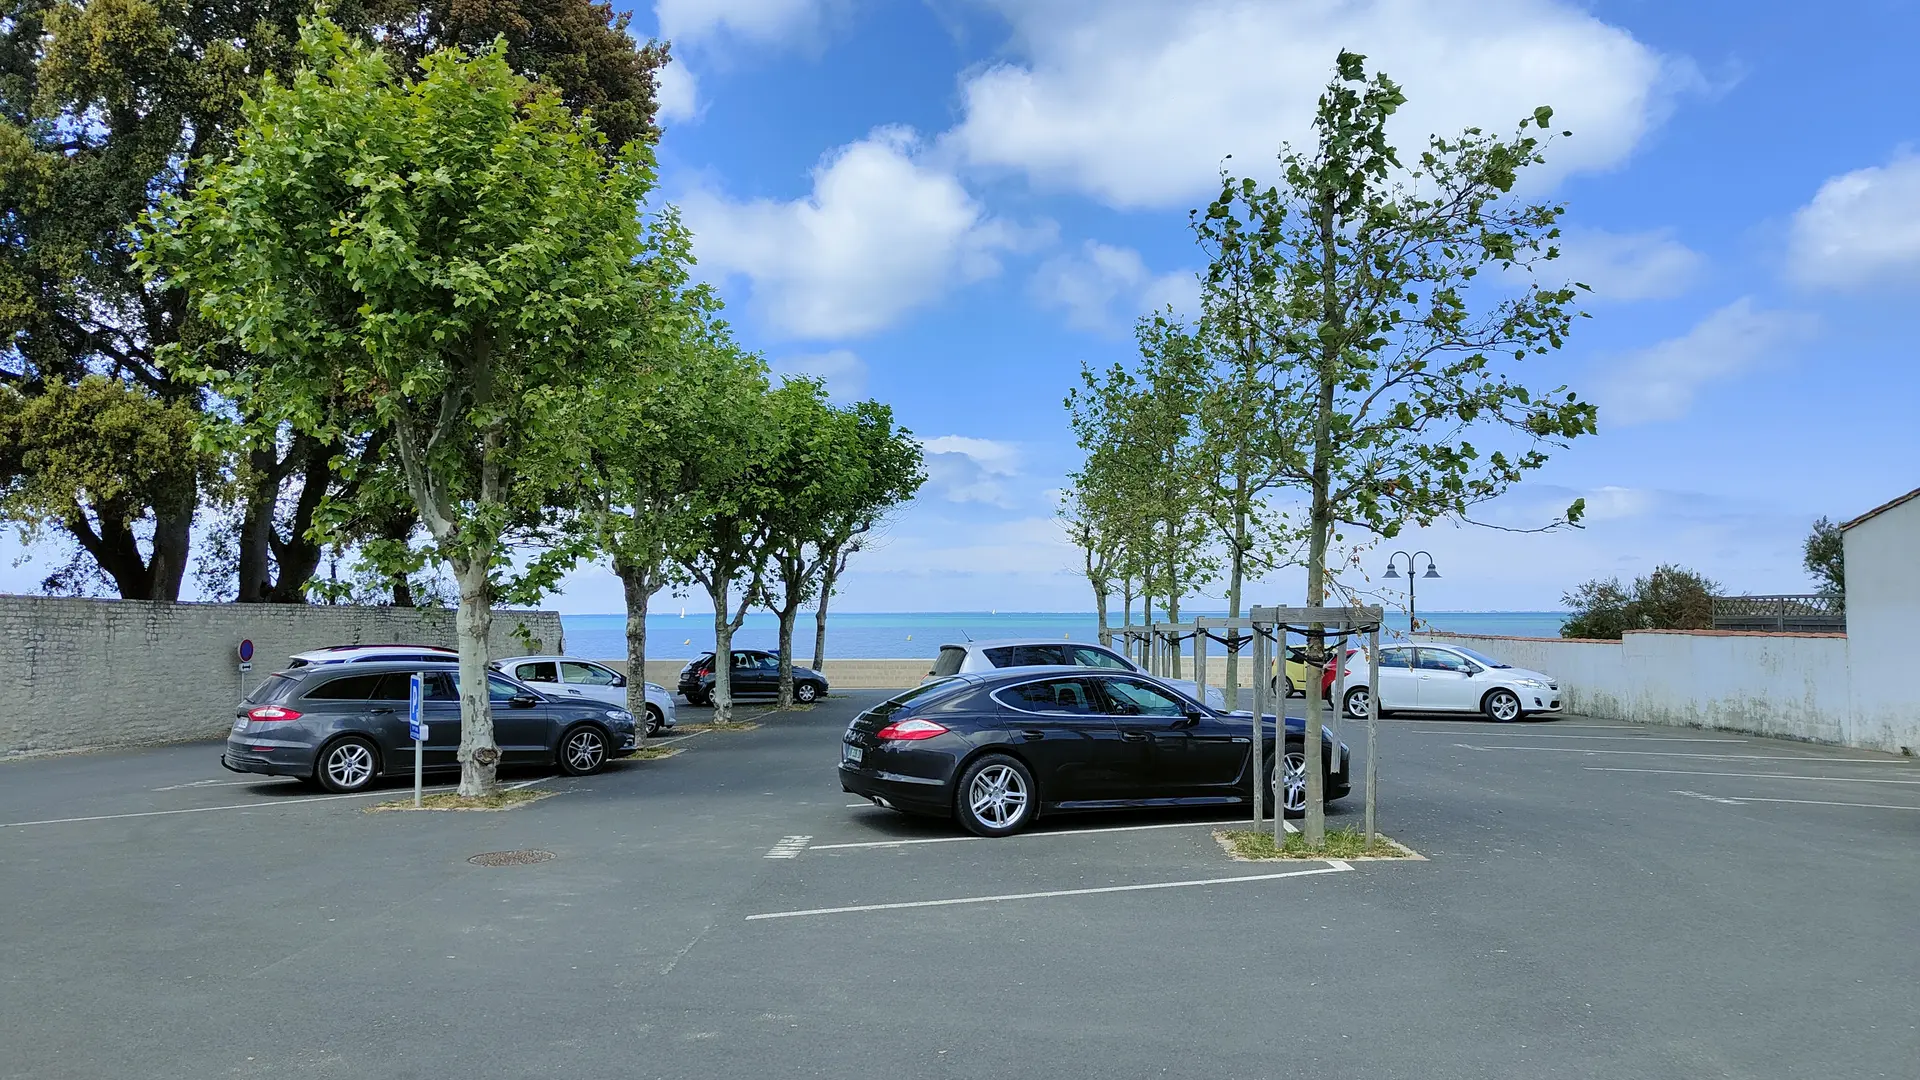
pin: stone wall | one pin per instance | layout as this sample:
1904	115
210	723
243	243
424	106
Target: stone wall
87	673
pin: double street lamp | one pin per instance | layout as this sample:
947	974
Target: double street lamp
1412	621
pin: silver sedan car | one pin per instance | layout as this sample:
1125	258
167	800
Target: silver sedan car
564	677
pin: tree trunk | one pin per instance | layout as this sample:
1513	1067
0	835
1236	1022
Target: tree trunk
256	527
637	583
828	577
1321	513
1173	616
722	650
172	539
479	757
1234	582
789	614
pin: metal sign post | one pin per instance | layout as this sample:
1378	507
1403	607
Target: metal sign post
417	729
246	664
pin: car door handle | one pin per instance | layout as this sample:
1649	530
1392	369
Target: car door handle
1134	736
379	710
574	692
1031	734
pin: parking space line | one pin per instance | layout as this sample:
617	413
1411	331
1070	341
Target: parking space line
1756	775
211	783
1741	800
394	792
1664	753
1021	836
1334	866
1601	738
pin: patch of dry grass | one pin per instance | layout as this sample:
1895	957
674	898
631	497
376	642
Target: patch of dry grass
651	753
506	799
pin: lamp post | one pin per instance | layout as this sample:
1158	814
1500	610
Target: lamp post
1412	621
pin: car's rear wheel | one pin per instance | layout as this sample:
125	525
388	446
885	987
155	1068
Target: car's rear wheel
347	765
655	721
995	796
1501	705
1357	700
583	750
805	693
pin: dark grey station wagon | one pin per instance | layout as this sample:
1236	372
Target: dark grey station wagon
343	725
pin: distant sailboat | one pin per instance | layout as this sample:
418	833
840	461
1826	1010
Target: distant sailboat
683	611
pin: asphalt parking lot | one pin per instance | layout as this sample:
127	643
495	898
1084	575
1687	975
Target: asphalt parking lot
1600	900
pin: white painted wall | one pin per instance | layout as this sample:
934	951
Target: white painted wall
1883	625
1789	685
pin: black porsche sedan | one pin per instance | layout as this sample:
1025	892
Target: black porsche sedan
997	750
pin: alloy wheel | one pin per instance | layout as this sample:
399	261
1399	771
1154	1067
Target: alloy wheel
349	765
805	692
585	750
1293	781
997	796
1503	706
1357	703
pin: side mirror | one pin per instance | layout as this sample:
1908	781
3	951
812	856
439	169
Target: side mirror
522	701
619	680
1191	718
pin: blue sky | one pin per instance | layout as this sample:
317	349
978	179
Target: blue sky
951	204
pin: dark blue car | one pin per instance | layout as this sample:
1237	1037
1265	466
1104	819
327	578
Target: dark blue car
997	750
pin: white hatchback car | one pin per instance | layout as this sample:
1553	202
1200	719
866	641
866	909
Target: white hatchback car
1450	679
990	655
571	677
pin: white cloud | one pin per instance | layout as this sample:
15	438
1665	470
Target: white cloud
676	92
1659	382
765	21
1104	288
1138	101
841	369
1626	266
881	234
965	469
1862	227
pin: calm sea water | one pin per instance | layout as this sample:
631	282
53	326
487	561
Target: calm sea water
884	635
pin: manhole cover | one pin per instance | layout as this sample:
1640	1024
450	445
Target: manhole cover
510	858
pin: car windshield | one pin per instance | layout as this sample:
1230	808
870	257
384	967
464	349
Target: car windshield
1478	657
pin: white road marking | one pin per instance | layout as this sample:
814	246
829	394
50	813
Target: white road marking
1745	799
677	738
1665	753
1334	866
1601	738
216	783
1021	836
1424	721
1757	775
264	805
1711	798
789	847
861	805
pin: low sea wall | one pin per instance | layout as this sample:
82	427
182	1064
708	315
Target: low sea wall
91	673
897	673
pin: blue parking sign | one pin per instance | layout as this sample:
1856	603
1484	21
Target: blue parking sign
416	730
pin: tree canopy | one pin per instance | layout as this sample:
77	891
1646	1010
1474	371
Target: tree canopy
1670	598
451	258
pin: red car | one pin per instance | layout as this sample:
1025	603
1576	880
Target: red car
1326	675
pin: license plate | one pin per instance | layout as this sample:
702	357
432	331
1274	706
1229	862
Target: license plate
851	754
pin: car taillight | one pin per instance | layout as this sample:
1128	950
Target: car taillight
272	714
910	730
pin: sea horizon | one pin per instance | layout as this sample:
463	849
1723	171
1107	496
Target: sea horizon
887	635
